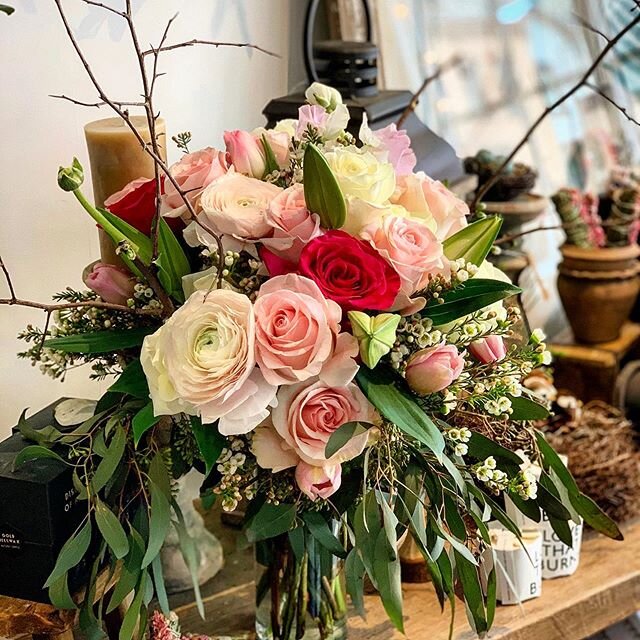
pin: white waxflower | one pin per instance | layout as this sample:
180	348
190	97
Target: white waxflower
461	449
538	336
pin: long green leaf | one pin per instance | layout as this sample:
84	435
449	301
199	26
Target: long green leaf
142	242
143	421
111	530
35	452
130	621
172	261
474	242
321	531
342	435
386	566
130	572
210	442
481	447
132	381
526	409
71	553
100	341
322	192
59	593
270	521
159	524
472	590
585	506
110	461
354	578
474	295
158	581
398	407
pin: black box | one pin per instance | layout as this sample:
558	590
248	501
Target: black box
39	511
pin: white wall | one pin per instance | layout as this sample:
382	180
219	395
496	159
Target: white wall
45	239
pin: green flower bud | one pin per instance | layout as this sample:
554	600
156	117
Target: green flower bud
71	178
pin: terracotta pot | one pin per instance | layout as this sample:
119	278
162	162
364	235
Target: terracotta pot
598	288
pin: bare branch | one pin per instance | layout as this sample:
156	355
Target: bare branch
610	100
18	302
415	100
589	27
106	7
96	104
480	193
7	276
212	43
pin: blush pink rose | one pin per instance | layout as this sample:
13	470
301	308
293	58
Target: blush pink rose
236	205
246	153
318	482
430	200
309	412
433	369
489	349
293	224
298	333
193	172
112	284
411	248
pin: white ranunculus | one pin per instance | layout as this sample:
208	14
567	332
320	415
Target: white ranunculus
323	95
201	362
361	174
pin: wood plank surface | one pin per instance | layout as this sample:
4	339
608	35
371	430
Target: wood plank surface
604	590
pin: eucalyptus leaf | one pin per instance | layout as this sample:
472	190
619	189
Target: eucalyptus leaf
321	531
109	463
562	529
354	576
111	530
172	261
143	421
473	242
59	593
322	192
388	580
399	407
36	452
342	435
100	341
270	521
474	295
158	581
130	572
527	409
472	591
159	523
130	620
44	437
71	554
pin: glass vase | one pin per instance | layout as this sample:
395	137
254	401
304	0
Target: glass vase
300	595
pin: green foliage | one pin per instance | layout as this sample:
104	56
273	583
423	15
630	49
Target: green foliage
72	552
474	295
526	409
474	242
172	261
210	442
35	452
341	436
100	341
143	421
132	381
111	530
270	521
271	163
320	529
135	237
322	192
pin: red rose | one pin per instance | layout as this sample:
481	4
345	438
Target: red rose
350	271
136	204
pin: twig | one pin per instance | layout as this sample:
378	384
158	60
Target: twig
18	302
106	7
96	104
7	276
411	107
212	43
480	193
610	100
589	27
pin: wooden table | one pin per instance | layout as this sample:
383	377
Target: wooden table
604	590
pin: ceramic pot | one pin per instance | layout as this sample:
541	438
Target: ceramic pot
598	288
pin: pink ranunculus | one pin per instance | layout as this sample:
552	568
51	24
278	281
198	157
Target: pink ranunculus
434	369
246	153
489	349
112	284
312	115
430	200
411	248
193	172
293	224
309	412
236	205
318	482
298	333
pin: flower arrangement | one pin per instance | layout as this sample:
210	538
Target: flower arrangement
316	328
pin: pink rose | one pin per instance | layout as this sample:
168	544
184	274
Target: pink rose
318	482
279	141
411	248
432	201
298	333
246	153
112	284
237	205
293	224
193	172
434	369
488	350
308	413
311	115
395	143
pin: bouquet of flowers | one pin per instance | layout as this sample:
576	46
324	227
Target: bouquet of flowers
316	328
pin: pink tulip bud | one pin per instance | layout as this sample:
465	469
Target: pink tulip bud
318	482
246	153
488	350
434	369
111	283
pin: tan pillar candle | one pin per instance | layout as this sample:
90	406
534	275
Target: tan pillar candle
116	158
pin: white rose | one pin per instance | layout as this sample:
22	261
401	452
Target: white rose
236	205
201	362
361	174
